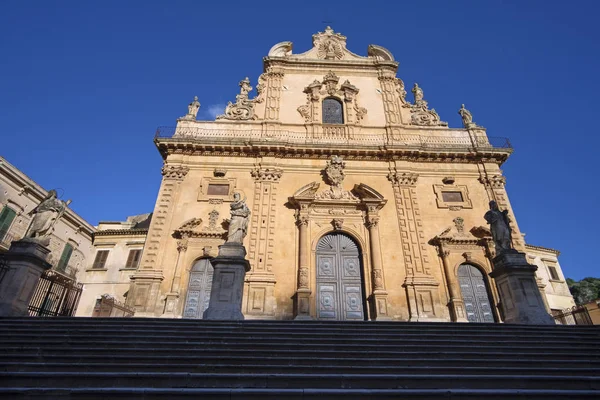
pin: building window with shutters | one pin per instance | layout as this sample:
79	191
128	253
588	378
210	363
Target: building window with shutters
100	260
64	258
553	273
133	259
7	216
333	111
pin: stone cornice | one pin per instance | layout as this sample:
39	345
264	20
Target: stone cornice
168	146
121	232
532	247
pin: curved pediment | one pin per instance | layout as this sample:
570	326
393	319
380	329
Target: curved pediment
282	49
366	192
307	191
379	53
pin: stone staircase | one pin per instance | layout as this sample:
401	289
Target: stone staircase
85	358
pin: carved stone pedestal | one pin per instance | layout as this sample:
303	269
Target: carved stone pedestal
518	290
171	304
26	262
230	268
302	304
379	306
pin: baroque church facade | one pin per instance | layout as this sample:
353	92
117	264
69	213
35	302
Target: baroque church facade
364	205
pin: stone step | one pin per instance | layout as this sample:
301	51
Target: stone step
266	341
133	350
59	393
518	360
84	379
294	369
278	336
116	344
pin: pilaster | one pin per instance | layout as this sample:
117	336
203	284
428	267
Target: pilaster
145	282
421	286
379	303
259	300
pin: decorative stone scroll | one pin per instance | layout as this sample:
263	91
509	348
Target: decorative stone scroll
243	109
420	112
334	176
329	88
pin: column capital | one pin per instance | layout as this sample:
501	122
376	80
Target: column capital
402	178
177	172
266	174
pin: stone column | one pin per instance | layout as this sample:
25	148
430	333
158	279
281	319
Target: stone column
303	292
456	303
379	300
226	294
520	297
172	298
26	261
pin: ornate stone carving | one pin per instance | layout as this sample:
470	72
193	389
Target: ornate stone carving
267	174
191	224
207	251
193	108
372	221
337	223
243	109
494	181
303	278
215	201
329	87
213	216
182	245
330	45
459	223
174	171
467	118
219	172
403	178
467	255
378	279
420	112
302	220
334	176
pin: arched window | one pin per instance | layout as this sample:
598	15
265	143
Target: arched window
333	111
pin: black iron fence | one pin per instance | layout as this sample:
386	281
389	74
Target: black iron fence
55	295
577	315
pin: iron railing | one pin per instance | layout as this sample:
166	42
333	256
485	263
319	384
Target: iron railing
55	295
578	315
4	267
340	136
108	306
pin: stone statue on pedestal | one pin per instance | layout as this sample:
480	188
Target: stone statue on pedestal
500	228
238	224
193	108
45	216
467	117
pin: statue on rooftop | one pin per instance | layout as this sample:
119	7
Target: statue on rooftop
193	108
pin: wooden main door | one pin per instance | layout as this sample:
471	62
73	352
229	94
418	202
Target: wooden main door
339	279
198	294
475	294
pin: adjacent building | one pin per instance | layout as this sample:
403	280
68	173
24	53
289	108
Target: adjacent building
71	241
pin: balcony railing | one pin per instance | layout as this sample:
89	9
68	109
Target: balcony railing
337	135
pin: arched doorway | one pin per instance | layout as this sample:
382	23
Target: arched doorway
340	294
475	294
198	293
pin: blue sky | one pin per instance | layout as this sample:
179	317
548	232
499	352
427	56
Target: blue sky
85	84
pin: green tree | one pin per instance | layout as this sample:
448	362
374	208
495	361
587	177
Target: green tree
585	290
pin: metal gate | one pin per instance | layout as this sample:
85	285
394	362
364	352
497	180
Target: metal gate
198	294
55	295
339	280
475	294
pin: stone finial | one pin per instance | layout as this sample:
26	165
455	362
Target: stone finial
243	109
420	112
